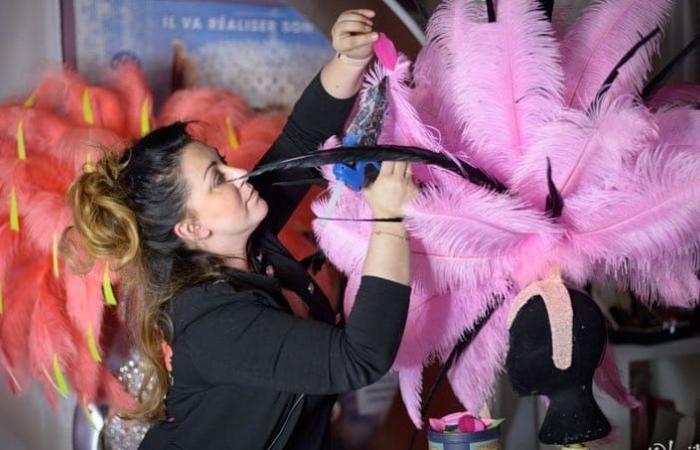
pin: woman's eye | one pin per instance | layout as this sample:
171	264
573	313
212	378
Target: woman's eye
218	179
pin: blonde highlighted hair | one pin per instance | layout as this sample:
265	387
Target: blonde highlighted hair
125	211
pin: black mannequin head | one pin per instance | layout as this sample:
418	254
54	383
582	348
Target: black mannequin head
573	415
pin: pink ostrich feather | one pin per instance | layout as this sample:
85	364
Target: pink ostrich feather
49	335
425	100
46	216
64	93
515	86
127	80
652	210
600	38
85	303
679	129
472	377
20	297
471	235
80	146
584	150
41	128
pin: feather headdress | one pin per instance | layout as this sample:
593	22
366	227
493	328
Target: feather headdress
594	184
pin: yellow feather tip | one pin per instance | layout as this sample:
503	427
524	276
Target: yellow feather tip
232	139
145	113
14	211
21	149
61	385
29	102
107	290
87	108
92	345
54	255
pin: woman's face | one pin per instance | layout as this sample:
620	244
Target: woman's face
222	213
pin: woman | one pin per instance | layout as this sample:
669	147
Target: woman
233	368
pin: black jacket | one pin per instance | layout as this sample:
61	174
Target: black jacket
247	373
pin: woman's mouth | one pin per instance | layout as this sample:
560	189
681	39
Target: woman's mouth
253	194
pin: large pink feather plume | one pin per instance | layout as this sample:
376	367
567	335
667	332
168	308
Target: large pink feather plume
49	335
584	150
127	80
473	376
600	38
514	87
20	296
67	94
218	115
85	307
679	129
40	129
81	147
652	214
425	97
471	235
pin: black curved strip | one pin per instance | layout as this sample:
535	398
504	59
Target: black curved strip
306	181
616	70
348	155
490	11
663	75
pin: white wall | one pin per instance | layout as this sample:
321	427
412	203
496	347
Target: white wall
29	34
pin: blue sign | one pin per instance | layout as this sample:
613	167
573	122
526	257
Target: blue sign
266	53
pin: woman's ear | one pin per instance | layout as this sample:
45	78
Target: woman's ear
190	230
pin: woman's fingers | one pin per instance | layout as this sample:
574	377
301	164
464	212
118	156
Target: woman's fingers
347	27
357	14
355	41
400	168
387	168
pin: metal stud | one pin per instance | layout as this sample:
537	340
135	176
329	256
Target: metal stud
270	271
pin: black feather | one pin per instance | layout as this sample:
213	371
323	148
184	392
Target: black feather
319	180
490	10
554	204
349	155
616	70
668	69
548	7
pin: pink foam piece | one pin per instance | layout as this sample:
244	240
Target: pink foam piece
386	51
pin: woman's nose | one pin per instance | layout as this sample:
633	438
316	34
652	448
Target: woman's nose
235	175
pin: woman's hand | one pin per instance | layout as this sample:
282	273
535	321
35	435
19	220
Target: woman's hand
393	188
352	33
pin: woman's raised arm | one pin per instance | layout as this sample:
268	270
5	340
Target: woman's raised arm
320	113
